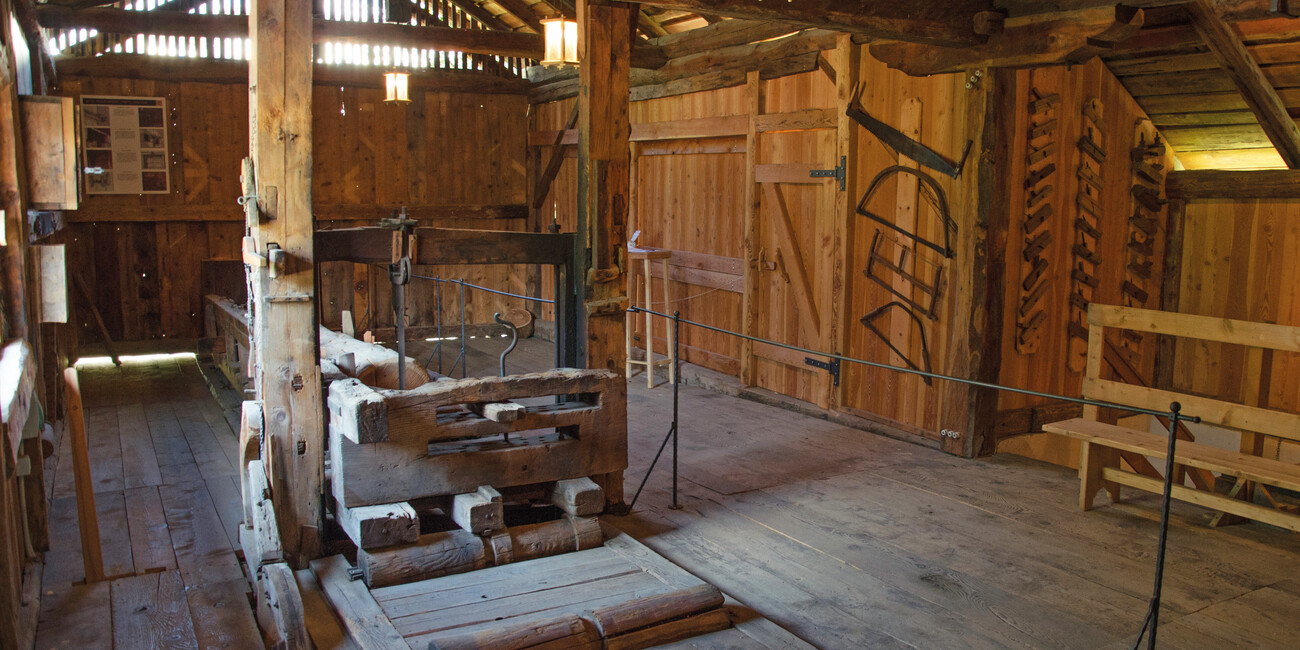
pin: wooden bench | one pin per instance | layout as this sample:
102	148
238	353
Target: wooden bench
1112	456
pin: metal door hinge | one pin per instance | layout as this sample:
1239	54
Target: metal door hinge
832	366
839	173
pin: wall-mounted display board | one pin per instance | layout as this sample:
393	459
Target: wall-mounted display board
124	144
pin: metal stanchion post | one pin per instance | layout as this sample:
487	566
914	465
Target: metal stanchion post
463	359
677	380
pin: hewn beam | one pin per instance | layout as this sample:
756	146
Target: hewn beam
445	246
1236	185
523	12
1259	94
473	41
287	378
138	66
720	35
1044	39
941	22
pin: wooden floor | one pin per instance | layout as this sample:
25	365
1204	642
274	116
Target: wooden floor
163	462
845	538
850	539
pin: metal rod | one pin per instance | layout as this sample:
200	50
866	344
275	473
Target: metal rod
672	431
909	371
677	380
437	287
463	360
514	340
482	288
1152	623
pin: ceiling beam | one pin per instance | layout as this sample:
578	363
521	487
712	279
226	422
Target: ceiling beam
523	12
1044	39
1245	73
474	41
1237	185
937	22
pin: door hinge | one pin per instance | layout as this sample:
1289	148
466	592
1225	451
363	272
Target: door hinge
832	366
839	173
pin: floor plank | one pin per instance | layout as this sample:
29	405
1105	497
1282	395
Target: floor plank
222	615
150	611
139	464
151	540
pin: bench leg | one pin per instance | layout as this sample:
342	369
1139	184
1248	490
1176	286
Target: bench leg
1092	458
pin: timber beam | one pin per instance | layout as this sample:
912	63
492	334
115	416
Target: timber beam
445	246
1042	39
1246	74
1234	185
470	41
941	22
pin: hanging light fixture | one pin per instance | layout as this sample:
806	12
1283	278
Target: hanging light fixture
396	85
561	41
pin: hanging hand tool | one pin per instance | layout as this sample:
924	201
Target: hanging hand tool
399	273
901	143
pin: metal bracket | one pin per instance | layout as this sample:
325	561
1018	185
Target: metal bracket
832	366
839	173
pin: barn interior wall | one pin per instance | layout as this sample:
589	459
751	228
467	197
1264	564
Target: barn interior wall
145	253
1039	351
690	197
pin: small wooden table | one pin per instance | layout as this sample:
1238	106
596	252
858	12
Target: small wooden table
647	256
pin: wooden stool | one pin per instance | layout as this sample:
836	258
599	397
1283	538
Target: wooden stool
648	255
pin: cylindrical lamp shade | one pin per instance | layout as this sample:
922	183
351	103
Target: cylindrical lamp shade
396	85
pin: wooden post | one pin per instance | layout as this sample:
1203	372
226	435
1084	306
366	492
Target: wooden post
284	337
87	519
847	63
604	174
749	299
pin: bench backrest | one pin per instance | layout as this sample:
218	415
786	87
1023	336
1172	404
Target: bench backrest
1229	414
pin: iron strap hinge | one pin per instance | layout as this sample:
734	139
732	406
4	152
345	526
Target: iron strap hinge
839	173
832	366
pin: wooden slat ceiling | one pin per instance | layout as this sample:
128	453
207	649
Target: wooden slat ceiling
1193	102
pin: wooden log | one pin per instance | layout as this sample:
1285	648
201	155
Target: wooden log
433	555
579	497
555	537
563	631
357	411
374	365
671	631
630	615
478	512
379	526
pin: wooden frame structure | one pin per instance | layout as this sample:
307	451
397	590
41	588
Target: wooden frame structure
1103	444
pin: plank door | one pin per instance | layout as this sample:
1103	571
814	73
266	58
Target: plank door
794	227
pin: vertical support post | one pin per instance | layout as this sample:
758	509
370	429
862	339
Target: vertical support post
605	31
749	299
285	333
677	429
846	61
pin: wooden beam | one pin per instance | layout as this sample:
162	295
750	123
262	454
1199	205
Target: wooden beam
287	379
97	212
543	187
719	35
1235	185
1259	94
523	12
1035	41
845	60
948	22
750	232
177	70
445	246
119	21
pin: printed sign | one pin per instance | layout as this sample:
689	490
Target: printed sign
124	145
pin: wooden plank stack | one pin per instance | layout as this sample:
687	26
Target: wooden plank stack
457	443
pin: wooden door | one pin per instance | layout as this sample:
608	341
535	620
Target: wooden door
794	225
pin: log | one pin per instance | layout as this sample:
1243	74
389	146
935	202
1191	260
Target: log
478	512
374	365
579	497
555	537
433	555
379	526
635	614
565	630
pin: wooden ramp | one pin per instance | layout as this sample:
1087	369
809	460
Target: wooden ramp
621	595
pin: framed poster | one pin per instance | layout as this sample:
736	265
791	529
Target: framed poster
124	145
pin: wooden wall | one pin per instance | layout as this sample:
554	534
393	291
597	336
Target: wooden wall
1240	261
692	163
143	253
1047	358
